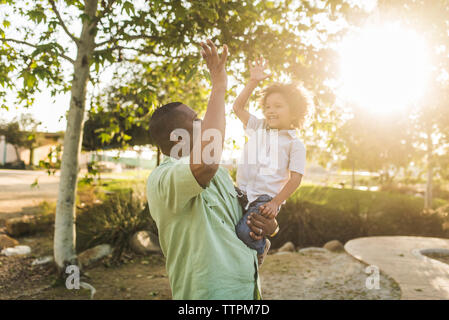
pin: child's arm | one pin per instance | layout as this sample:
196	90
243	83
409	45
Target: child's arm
270	209
257	75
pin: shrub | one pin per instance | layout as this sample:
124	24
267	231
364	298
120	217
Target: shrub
315	215
113	221
307	224
438	191
398	188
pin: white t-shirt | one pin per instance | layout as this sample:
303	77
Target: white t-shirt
267	159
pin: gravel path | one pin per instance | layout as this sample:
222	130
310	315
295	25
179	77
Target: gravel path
321	275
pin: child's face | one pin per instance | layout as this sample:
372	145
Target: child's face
277	111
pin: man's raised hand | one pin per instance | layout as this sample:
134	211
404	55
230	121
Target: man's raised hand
215	64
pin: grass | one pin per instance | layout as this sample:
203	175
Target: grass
368	201
120	184
128	174
113	185
43	209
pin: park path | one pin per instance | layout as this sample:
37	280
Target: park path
16	193
418	276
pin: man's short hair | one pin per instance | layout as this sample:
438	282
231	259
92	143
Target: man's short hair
164	120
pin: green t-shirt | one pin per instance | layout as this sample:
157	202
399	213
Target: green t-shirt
204	257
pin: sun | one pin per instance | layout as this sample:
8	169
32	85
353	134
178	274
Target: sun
383	68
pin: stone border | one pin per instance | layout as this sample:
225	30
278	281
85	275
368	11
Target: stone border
401	257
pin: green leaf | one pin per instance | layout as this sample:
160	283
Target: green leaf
128	7
37	15
29	79
206	75
105	137
35	184
191	74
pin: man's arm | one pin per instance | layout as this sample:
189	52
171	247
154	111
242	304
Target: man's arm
257	75
215	113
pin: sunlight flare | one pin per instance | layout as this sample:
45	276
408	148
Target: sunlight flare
383	68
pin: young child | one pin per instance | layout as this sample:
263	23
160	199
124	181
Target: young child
264	191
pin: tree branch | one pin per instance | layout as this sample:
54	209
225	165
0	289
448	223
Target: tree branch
36	47
105	11
61	22
113	39
128	38
144	51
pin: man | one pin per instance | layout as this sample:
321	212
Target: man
195	205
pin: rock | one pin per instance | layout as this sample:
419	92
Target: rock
28	225
287	247
446	226
17	250
312	250
42	260
144	242
2	226
90	256
281	253
19	226
334	246
7	242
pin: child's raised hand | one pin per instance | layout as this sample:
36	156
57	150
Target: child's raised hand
269	210
257	70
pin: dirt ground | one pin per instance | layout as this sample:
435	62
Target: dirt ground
328	275
140	277
321	276
283	276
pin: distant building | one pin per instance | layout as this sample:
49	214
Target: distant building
46	142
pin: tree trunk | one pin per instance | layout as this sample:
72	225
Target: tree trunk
31	156
17	153
428	193
65	232
353	174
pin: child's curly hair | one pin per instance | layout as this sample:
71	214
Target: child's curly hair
297	97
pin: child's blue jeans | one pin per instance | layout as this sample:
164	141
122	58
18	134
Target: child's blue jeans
242	229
